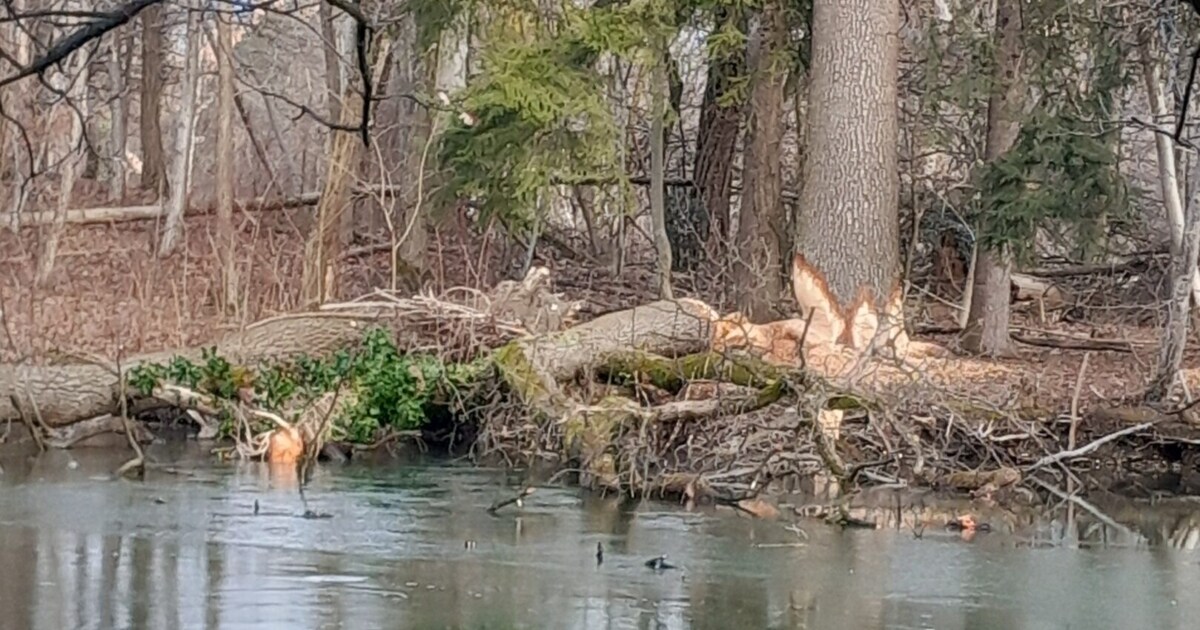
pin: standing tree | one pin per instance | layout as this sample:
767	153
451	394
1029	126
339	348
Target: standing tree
658	98
1184	256
181	168
986	330
119	112
324	244
846	273
154	160
720	123
226	242
762	226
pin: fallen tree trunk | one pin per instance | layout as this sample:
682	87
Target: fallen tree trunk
664	344
125	214
59	395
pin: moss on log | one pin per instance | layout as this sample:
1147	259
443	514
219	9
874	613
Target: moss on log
665	344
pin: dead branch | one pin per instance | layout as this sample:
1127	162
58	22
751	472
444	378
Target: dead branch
1089	447
1072	343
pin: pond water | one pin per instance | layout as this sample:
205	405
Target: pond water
185	549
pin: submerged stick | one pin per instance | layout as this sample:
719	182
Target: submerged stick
138	463
519	500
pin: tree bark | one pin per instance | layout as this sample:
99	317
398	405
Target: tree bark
65	129
1183	269
59	395
181	166
762	226
846	272
226	242
662	244
986	330
333	70
1168	174
717	136
154	161
324	244
119	111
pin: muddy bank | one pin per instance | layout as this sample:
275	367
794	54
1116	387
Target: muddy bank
649	401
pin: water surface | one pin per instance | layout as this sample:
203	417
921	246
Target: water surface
186	550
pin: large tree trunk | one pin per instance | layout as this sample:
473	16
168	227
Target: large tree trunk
226	242
846	273
181	168
662	244
986	330
762	226
154	161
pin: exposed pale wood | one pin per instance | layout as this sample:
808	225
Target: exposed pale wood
847	264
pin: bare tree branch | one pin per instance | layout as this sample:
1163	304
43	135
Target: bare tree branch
76	40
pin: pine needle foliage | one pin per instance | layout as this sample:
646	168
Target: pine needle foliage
1062	177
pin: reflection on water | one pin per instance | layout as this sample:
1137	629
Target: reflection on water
186	550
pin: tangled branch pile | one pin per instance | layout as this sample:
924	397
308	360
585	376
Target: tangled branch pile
654	400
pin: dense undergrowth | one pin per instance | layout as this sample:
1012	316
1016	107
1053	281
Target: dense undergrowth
385	389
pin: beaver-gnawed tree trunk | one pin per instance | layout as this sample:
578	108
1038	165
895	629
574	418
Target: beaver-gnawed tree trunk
846	270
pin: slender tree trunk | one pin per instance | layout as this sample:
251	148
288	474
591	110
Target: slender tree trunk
662	244
154	161
119	111
65	130
333	70
717	136
407	227
181	167
1183	269
226	173
762	226
846	273
1168	174
324	244
986	330
347	49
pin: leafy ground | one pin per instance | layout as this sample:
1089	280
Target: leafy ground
109	292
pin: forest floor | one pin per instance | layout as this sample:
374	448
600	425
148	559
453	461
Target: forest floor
110	292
